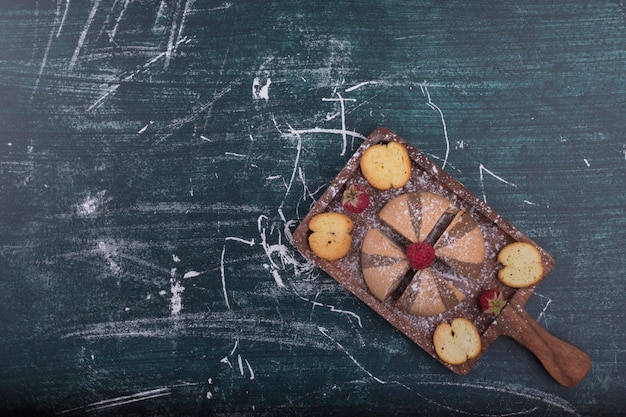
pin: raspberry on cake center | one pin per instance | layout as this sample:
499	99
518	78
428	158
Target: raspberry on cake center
420	255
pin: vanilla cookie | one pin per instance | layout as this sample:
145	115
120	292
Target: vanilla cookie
522	266
386	165
457	342
330	238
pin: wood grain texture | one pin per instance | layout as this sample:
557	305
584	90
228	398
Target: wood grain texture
566	363
156	155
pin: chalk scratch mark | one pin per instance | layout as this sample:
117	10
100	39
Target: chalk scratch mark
547	300
510	389
323	130
342	105
143	129
240	363
67	7
222	268
234	349
332	308
429	103
324	331
44	60
359	85
226	5
118	20
83	34
238	155
482	169
171	40
293	173
237	239
119	401
183	20
250	370
114	87
285	253
206	107
223	275
344	132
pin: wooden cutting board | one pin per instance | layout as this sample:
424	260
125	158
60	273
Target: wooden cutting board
566	363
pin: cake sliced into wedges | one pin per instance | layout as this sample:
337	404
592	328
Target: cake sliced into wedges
416	286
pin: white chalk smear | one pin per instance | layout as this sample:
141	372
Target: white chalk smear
226	361
109	251
176	301
88	206
284	253
260	91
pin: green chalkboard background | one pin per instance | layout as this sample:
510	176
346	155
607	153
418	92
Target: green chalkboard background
155	156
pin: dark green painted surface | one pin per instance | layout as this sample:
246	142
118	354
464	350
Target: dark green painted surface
149	182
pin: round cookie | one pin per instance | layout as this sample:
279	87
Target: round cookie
330	238
522	266
457	342
386	165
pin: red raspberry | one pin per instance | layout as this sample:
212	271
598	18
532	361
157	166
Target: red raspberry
420	255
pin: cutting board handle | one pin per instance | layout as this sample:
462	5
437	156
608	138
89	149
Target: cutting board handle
565	362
